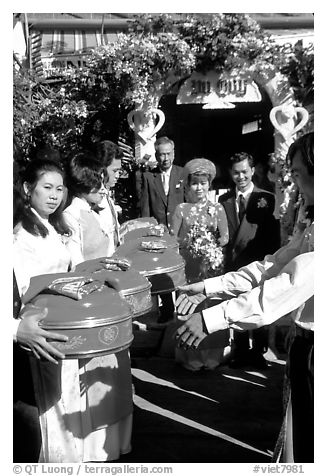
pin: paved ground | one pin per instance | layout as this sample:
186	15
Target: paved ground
220	416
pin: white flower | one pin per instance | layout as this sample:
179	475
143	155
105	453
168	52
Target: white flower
202	243
211	210
262	203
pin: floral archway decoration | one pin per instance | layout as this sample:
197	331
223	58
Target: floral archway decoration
89	104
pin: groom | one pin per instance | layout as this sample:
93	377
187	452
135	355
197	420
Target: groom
253	233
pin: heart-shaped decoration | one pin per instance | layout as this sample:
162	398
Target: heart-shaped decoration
144	124
290	113
108	335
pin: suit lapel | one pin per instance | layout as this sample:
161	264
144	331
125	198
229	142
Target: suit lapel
246	231
172	181
159	187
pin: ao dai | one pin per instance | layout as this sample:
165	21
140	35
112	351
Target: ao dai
213	216
85	405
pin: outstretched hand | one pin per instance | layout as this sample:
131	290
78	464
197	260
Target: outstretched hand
191	296
192	332
31	336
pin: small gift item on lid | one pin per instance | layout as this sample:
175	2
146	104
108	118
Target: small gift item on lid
165	268
154	246
75	287
117	264
157	230
132	228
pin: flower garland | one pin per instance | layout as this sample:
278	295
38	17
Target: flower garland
138	68
142	63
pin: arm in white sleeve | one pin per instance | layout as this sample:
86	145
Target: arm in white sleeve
74	241
26	264
268	301
14	327
234	283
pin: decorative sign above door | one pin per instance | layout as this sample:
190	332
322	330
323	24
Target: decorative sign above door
204	89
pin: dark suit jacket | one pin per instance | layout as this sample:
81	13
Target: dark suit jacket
257	235
154	202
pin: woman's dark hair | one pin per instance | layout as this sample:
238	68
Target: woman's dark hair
304	145
84	173
22	210
106	151
238	157
48	153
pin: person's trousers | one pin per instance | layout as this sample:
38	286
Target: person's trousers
26	426
301	372
168	307
259	341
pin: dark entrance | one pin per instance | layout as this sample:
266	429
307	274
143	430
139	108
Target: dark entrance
217	134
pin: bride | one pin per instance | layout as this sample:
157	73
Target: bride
206	216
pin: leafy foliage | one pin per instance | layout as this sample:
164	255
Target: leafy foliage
139	64
87	105
299	69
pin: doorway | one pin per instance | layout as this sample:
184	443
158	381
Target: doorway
218	133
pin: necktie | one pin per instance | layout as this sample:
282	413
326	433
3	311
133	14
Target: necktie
241	208
165	182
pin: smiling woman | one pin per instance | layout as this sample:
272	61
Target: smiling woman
202	231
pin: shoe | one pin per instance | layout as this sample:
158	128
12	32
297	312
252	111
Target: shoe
257	360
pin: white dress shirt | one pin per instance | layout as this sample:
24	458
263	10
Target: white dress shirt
165	176
264	291
108	220
72	218
245	194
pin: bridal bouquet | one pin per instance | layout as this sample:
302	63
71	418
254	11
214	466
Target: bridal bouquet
203	243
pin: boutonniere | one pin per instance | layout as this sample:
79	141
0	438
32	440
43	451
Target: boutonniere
211	210
262	203
179	184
